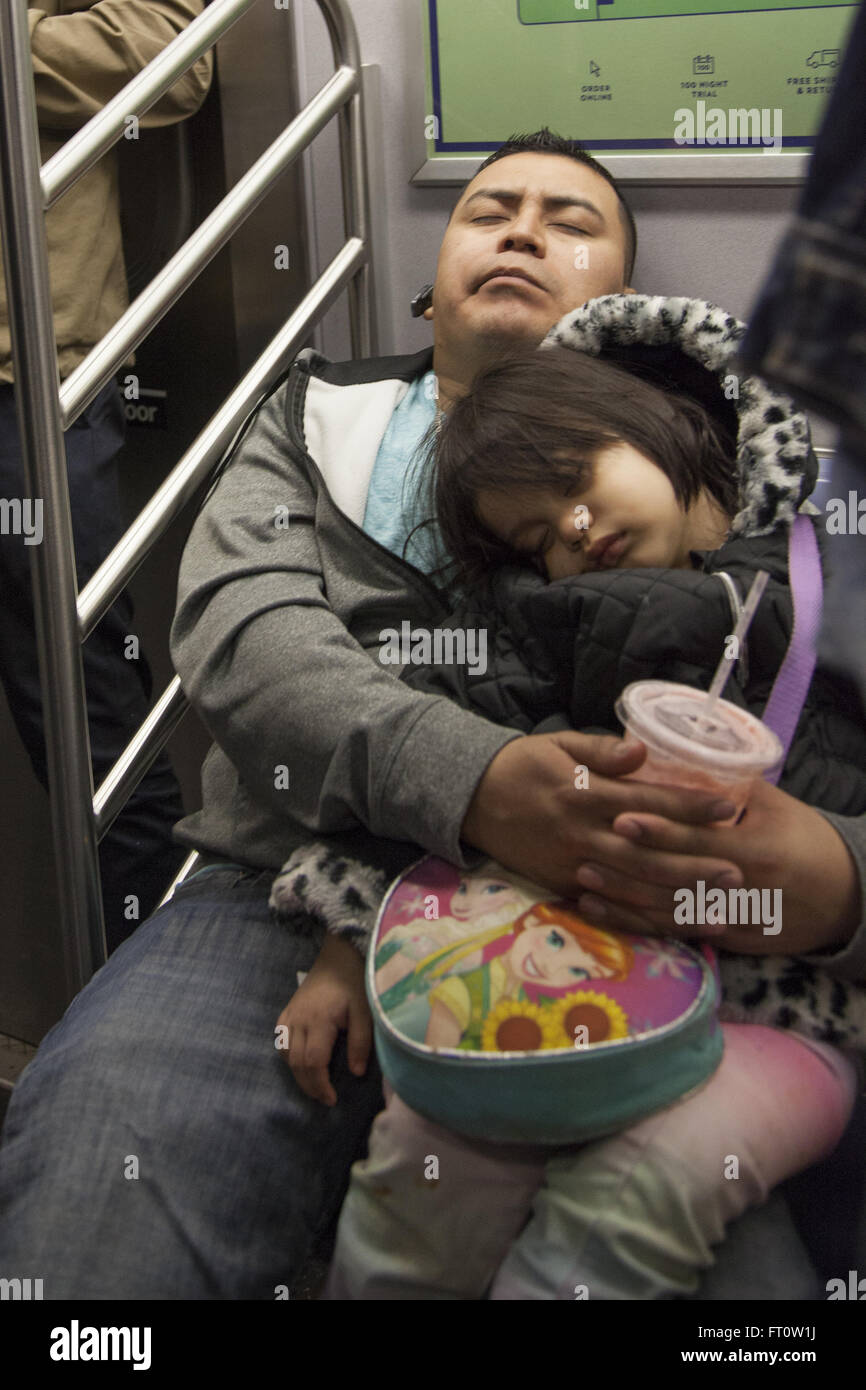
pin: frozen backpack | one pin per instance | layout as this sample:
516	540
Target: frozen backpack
501	1014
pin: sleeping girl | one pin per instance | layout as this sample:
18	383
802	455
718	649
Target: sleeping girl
597	528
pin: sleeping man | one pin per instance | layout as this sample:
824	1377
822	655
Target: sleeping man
168	1054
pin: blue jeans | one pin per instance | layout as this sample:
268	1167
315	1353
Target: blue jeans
137	855
807	333
158	1147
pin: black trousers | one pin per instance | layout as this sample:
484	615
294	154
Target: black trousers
137	856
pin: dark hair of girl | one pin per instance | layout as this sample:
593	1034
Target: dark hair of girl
539	417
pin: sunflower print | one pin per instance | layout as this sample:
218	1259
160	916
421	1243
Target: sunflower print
585	1017
515	1025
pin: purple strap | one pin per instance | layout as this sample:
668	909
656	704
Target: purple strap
782	711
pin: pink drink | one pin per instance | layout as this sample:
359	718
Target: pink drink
722	752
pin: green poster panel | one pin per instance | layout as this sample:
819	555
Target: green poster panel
715	89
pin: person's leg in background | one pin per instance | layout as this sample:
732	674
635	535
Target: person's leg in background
635	1216
429	1214
158	1147
138	857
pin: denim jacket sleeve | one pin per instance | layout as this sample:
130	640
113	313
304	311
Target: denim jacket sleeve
807	332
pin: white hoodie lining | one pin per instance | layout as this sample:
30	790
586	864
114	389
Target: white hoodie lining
344	427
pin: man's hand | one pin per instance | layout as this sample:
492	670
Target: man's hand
545	807
780	843
331	998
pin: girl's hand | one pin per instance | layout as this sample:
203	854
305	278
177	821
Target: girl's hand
331	998
781	843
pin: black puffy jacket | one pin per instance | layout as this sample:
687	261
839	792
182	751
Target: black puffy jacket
559	654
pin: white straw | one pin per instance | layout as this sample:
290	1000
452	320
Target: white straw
726	665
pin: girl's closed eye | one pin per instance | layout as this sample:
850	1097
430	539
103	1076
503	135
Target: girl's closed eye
572	547
537	554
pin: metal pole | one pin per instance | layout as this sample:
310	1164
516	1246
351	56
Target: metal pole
356	218
52	562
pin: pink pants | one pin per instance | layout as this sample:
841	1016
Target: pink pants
430	1214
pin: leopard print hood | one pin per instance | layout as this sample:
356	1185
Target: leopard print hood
691	346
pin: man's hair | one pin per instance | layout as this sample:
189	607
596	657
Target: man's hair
537	419
545	141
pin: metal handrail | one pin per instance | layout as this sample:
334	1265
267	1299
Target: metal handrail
62	618
186	868
144	746
166	288
118	568
104	129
